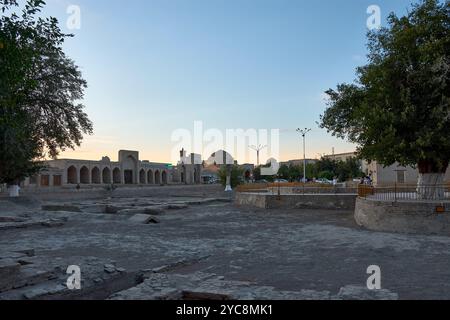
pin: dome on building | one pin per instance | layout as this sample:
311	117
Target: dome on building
218	158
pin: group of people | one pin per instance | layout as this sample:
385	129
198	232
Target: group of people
367	180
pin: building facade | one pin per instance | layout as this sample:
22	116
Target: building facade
341	156
298	162
395	174
381	175
188	170
128	170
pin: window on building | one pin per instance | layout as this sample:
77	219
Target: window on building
33	179
45	180
400	176
57	180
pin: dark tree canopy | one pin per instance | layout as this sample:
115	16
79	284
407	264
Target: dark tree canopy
40	91
399	108
17	147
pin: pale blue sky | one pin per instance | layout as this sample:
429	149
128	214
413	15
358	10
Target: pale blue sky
155	66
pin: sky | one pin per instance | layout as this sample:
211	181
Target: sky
156	66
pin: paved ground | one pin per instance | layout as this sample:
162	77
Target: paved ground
292	250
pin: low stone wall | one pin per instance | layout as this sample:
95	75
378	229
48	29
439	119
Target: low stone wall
314	190
403	216
303	190
293	201
254	199
66	194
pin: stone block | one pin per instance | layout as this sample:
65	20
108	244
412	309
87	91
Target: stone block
35	294
9	271
27	252
63	207
143	218
111	209
109	268
362	293
11	219
155	210
177	206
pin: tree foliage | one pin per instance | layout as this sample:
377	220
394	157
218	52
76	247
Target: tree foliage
398	108
236	175
17	147
40	90
324	168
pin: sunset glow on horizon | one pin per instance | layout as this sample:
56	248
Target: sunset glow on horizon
230	64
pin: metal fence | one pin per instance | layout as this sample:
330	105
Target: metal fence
398	192
261	187
394	192
296	188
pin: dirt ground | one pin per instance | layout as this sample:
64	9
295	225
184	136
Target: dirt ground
320	251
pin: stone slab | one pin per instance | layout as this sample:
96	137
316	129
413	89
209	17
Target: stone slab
143	218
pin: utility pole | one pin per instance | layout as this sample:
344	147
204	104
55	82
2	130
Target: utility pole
257	149
303	133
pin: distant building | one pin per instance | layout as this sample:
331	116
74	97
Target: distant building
128	170
189	169
341	156
217	159
220	157
298	162
395	174
381	175
210	173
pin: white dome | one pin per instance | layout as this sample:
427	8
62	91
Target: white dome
218	158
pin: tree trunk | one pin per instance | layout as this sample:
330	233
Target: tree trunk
228	179
430	185
13	190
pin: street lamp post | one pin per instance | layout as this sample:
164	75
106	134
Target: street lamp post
303	133
257	149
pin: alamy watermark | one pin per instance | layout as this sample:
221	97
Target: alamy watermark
374	19
374	280
74	280
235	142
74	20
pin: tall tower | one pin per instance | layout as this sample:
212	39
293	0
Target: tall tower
182	154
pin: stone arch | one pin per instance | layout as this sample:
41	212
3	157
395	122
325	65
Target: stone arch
130	170
196	176
150	179
142	176
157	177
117	175
164	177
84	175
72	175
183	175
247	175
106	173
95	175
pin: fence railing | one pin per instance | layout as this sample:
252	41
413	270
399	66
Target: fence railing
269	186
399	192
394	192
296	188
